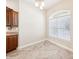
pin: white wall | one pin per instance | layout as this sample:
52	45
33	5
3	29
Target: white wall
13	4
62	5
31	24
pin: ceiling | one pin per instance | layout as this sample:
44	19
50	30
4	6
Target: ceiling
48	3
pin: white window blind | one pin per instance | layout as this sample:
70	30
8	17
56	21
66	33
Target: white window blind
59	26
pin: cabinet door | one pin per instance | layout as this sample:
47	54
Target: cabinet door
15	41
9	16
9	44
15	18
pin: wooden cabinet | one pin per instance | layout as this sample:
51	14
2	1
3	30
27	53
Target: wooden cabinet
11	42
11	17
15	18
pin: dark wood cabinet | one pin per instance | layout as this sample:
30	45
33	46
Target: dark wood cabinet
11	17
15	18
11	42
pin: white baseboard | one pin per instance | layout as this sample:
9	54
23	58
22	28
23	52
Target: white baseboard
19	48
65	47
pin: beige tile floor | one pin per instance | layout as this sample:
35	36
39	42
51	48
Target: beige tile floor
43	50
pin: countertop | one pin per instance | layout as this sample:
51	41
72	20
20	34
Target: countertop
11	33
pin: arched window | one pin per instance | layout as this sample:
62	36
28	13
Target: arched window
59	25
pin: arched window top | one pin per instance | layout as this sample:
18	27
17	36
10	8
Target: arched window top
61	13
